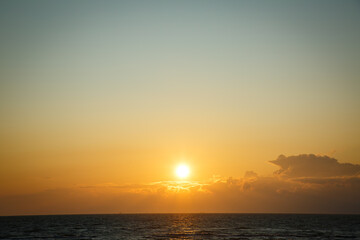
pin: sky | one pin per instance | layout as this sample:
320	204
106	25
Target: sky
101	100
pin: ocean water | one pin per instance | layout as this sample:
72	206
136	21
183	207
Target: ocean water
181	226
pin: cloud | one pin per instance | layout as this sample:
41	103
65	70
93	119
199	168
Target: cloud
310	165
327	187
250	174
330	180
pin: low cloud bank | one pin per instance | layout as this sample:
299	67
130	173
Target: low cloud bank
310	165
302	184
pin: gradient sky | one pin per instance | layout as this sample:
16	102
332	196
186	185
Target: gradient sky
120	92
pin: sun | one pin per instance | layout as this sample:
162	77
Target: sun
182	171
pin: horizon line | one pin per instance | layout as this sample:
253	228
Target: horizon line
168	213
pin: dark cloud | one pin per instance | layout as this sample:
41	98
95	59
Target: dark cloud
310	165
330	180
250	174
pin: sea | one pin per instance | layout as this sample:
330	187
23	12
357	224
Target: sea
181	226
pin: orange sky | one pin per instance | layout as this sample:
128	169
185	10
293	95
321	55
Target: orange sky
100	102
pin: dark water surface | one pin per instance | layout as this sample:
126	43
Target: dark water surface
181	226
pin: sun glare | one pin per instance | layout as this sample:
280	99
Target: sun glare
182	171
